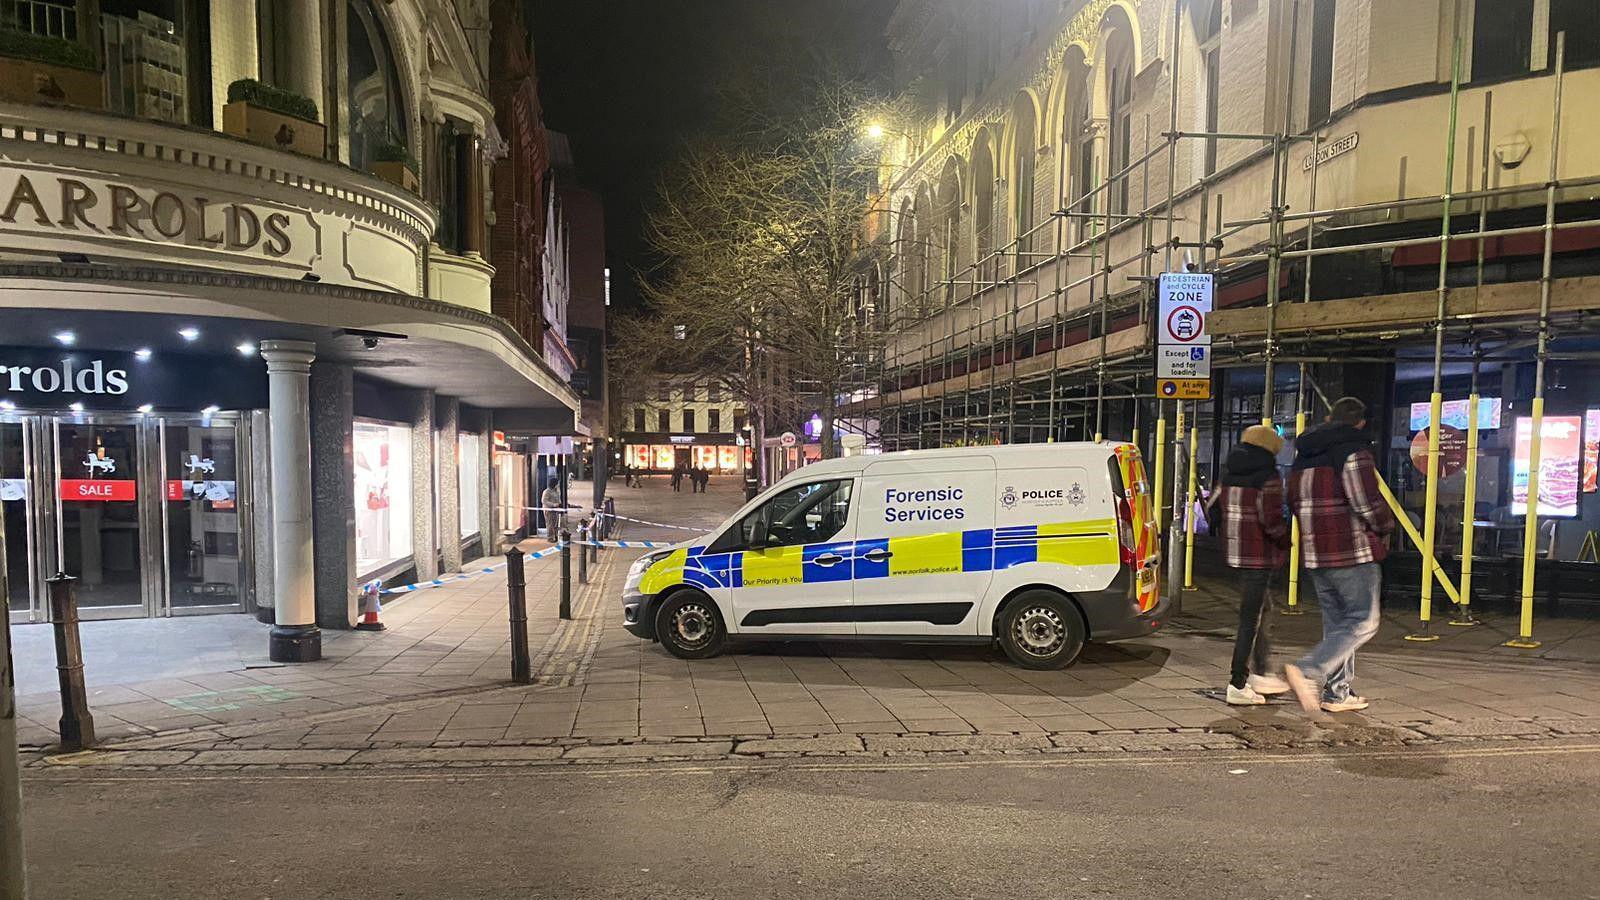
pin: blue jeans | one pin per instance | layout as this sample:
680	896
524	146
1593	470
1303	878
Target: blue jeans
1349	599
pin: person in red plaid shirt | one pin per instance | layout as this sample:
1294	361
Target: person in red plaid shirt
1254	535
1344	530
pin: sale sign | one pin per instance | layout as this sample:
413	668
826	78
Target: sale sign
98	490
1560	461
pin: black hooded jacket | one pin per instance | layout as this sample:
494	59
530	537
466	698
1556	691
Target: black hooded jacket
1328	445
1248	466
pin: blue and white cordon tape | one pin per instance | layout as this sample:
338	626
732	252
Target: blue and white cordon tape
458	576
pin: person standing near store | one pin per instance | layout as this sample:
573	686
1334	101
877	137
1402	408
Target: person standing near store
1344	531
551	501
1254	536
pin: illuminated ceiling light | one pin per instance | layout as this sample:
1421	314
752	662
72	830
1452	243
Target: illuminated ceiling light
210	410
146	407
66	338
142	354
76	407
189	333
7	404
246	349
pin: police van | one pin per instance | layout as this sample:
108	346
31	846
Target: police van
1039	547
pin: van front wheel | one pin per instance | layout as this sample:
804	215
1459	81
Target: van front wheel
1041	630
689	626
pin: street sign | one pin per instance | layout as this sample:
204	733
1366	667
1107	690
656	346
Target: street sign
1186	301
1183	340
788	439
1183	362
1184	388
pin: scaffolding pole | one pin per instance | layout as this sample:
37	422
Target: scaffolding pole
1530	526
1175	539
1430	503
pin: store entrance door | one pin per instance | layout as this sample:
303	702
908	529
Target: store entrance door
102	516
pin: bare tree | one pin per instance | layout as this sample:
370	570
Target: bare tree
761	237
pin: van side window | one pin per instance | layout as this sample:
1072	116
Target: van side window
804	514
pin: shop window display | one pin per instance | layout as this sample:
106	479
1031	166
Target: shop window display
382	493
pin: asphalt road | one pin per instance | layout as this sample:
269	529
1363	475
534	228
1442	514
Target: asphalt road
1507	821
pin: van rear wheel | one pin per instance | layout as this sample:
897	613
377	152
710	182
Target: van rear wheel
689	626
1041	630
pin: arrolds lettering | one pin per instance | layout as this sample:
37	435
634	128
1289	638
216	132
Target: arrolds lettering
94	378
156	216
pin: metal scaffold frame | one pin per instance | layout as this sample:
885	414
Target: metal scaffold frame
971	387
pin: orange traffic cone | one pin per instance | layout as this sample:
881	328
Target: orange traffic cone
370	607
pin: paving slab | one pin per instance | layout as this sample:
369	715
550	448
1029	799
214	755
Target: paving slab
651	751
827	743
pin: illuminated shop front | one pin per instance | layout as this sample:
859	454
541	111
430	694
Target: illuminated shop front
718	453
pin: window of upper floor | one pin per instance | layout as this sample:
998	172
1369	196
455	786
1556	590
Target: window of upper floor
688	420
1511	38
638	420
374	115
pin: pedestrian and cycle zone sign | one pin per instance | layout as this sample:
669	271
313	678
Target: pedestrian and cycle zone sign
1183	342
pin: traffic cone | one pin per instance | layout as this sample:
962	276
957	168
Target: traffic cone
370	607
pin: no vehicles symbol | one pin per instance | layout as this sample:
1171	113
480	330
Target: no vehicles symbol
1185	324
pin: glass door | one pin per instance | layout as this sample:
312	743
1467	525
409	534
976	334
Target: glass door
204	561
16	506
99	533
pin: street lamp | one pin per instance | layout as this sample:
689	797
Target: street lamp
875	130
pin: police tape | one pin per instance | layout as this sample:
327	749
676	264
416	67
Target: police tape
457	576
625	544
591	511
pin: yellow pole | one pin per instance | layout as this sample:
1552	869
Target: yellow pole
1429	564
1161	468
1188	508
1469	502
1429	517
1530	530
1293	608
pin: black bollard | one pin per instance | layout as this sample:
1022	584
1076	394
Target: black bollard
77	725
566	574
583	553
517	594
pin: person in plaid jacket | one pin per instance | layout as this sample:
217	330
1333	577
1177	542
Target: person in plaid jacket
1254	535
1344	532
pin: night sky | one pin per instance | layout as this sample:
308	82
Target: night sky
630	80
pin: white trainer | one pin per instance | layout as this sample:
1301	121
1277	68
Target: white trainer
1351	703
1268	684
1245	696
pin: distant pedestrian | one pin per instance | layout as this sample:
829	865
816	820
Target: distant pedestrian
1344	529
551	501
677	478
699	480
1254	535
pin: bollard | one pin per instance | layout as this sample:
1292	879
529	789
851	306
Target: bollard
517	595
77	725
566	574
583	553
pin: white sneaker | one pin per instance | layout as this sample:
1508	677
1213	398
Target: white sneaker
1268	684
1245	696
1351	703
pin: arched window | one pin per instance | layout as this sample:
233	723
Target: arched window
922	251
1208	37
1119	108
1024	150
375	121
903	261
949	216
1078	139
983	203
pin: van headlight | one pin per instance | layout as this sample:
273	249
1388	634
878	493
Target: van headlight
644	562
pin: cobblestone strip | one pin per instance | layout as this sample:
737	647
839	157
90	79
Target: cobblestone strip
555	751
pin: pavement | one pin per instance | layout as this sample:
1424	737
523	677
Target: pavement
435	686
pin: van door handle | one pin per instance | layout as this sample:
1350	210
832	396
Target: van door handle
876	555
828	559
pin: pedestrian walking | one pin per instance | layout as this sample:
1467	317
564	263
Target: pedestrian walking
700	480
1254	535
551	501
1344	530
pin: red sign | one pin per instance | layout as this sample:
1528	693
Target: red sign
97	490
1185	324
1452	451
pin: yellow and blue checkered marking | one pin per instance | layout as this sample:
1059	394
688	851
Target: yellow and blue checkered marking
978	550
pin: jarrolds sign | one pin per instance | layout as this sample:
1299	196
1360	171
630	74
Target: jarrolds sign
45	379
83	207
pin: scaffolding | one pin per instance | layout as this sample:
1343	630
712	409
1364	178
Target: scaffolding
1044	337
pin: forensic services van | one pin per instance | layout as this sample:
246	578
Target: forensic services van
1039	547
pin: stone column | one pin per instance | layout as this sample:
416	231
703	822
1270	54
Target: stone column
304	51
447	422
424	533
333	473
295	637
